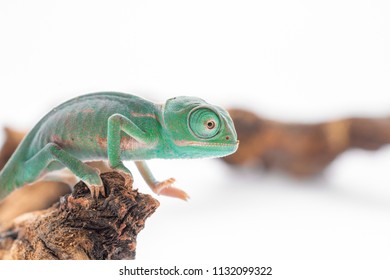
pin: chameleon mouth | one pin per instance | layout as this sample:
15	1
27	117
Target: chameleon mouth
205	144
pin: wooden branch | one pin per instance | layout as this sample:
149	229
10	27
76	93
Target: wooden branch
302	149
81	227
76	227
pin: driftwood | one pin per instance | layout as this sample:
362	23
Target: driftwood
302	149
81	227
76	226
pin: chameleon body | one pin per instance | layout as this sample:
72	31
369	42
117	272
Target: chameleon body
116	126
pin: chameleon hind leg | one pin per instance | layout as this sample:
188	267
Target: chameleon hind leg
163	187
53	154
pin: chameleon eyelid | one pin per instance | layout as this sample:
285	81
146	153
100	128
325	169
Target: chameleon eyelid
208	108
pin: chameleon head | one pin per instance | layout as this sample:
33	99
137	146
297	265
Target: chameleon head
197	129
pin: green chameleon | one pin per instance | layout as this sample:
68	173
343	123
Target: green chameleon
116	126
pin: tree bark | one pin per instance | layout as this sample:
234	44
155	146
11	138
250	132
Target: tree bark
81	227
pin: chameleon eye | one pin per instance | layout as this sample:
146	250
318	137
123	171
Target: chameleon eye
204	123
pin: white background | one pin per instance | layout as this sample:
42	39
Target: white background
289	60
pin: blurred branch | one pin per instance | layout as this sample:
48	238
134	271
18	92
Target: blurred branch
302	149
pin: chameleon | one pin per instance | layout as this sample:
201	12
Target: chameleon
114	126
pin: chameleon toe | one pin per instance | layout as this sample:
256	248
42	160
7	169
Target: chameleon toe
96	190
160	186
175	192
128	178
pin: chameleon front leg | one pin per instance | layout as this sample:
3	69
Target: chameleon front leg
163	187
116	124
51	153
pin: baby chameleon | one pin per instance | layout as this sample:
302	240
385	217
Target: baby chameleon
116	126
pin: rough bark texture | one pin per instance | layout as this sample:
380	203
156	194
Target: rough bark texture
302	149
76	227
80	227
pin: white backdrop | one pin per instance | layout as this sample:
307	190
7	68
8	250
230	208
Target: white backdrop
289	60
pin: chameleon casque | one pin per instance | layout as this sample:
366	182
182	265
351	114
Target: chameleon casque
117	126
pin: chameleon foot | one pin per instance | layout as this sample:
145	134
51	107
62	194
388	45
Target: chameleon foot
175	192
126	174
128	178
166	188
96	190
93	182
159	186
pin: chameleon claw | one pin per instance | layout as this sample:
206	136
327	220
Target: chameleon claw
128	178
96	190
126	174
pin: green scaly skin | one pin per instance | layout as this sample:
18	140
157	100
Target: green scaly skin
116	126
